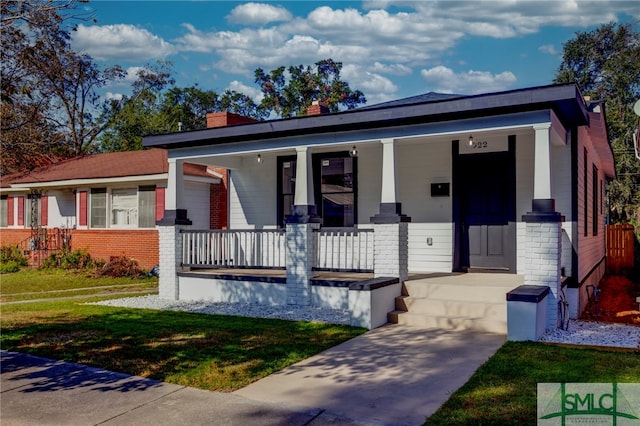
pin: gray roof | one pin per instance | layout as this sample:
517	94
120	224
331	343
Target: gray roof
564	99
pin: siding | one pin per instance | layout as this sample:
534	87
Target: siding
62	209
437	257
369	182
525	151
431	217
591	248
253	193
197	199
562	192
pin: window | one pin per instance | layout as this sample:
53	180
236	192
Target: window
585	189
286	186
98	202
335	188
147	207
4	210
123	207
594	200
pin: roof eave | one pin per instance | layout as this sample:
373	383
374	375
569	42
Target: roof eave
565	100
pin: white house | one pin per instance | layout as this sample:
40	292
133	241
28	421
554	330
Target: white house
501	183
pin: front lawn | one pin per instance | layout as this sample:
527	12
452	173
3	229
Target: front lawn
503	390
28	284
212	352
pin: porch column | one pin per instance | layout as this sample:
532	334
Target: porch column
391	228
304	205
542	163
299	238
169	236
543	228
175	211
299	259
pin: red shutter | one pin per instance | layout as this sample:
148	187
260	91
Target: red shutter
83	208
20	210
10	207
44	211
159	203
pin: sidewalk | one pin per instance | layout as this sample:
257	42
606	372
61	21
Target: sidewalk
392	375
38	391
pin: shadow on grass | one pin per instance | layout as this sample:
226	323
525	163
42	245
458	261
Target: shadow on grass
35	374
210	352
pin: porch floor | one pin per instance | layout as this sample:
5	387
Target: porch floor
282	274
454	279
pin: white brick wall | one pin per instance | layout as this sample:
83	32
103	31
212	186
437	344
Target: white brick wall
391	252
300	254
542	262
170	246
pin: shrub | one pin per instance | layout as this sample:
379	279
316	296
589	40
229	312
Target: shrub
8	267
76	259
121	266
11	259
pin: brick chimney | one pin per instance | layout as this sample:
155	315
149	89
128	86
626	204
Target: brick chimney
318	108
223	119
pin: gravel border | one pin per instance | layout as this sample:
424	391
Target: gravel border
285	312
579	332
596	334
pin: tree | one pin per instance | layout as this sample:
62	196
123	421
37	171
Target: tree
50	90
289	93
127	120
605	63
156	106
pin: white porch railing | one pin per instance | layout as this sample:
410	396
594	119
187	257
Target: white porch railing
233	248
347	249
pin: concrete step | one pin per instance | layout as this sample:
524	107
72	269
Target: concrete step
454	308
453	291
448	322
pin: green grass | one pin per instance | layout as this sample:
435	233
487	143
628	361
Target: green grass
43	280
503	390
206	351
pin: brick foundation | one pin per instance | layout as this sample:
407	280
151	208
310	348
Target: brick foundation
138	244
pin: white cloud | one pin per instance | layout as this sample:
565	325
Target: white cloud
379	44
445	80
393	69
549	49
258	14
132	74
250	91
114	96
120	42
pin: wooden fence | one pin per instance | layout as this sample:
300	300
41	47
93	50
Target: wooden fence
620	246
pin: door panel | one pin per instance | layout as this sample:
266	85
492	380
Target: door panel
487	211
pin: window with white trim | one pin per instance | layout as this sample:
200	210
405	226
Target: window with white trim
123	207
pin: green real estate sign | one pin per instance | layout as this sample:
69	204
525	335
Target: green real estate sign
589	403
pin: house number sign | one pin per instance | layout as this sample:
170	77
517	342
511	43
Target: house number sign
481	145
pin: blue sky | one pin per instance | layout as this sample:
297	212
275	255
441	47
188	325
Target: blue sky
389	49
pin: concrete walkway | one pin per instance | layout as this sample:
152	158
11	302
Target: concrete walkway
393	375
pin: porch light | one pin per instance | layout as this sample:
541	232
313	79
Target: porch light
259	158
470	140
353	152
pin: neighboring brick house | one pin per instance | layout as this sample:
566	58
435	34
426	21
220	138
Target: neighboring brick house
109	203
